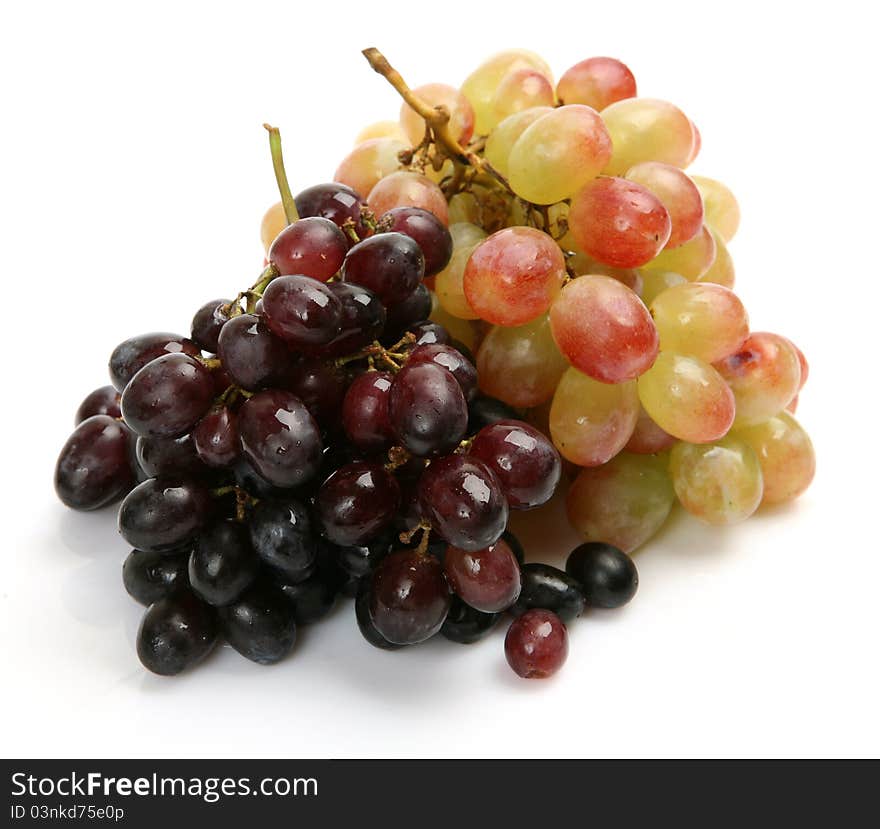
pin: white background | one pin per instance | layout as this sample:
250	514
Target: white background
134	175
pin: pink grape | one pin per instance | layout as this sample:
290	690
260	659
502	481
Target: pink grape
408	189
679	195
597	83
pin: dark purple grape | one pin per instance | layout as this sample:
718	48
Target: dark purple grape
409	597
550	588
161	515
313	598
450	359
222	563
607	575
280	437
525	461
312	246
130	356
536	644
487	580
215	438
463	500
365	412
320	385
430	333
427	409
400	316
465	624
207	322
359	560
252	482
95	465
148	577
334	201
302	311
168	396
515	545
282	536
365	621
357	502
432	235
102	401
362	320
169	457
484	411
261	624
462	349
176	632
252	355
390	264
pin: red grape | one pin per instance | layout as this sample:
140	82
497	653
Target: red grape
102	401
452	360
390	264
207	322
312	246
302	311
216	437
130	356
487	580
365	412
251	354
431	234
536	645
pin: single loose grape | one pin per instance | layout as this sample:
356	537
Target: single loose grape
506	133
721	207
536	645
692	260
607	575
408	189
679	195
368	163
597	83
461	113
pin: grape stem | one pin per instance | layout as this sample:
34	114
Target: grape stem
287	201
425	529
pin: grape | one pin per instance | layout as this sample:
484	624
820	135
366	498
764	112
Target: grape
261	624
431	234
692	260
312	246
687	398
604	329
414	308
765	375
429	332
558	154
94	466
648	438
251	353
334	201
607	575
449	284
409	597
679	195
176	632
645	129
464	502
590	422
169	456
274	221
365	412
282	536
487	580
148	577
381	129
207	322
222	564
786	456
408	189
302	311
357	502
549	588
721	207
461	114
483	411
215	438
364	620
513	276
390	264
802	361
520	90
130	356
465	624
427	409
359	560
505	135
312	599
163	514
619	222
721	271
536	644
703	320
720	483
597	83
362	320
168	396
527	465
102	401
623	502
452	360
369	162
280	438
655	282
583	265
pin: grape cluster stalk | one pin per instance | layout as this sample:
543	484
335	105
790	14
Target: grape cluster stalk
512	293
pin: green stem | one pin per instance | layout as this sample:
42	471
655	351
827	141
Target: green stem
256	290
280	175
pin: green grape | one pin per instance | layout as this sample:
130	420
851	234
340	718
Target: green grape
462	330
720	206
692	260
722	271
448	284
655	282
505	135
520	90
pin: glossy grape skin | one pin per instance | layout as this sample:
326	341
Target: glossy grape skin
452	360
312	246
607	575
521	90
368	163
604	329
409	597
487	580
692	260
465	624
414	308
525	462
619	222
722	270
251	353
464	502
483	411
655	282
261	624
679	195
536	644
175	633
130	356
389	264
429	332
359	560
720	205
687	398
207	322
449	284
102	401
461	114
520	365
648	438
313	598
215	438
362	320
334	201
282	535
169	457
646	129
321	386
148	577
222	563
706	321
597	83
764	376
427	409
513	276
408	189
273	222
280	437
802	361
590	422
549	588
786	455
507	132
432	235
163	514
558	154
302	311
365	624
94	467
365	411
623	502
